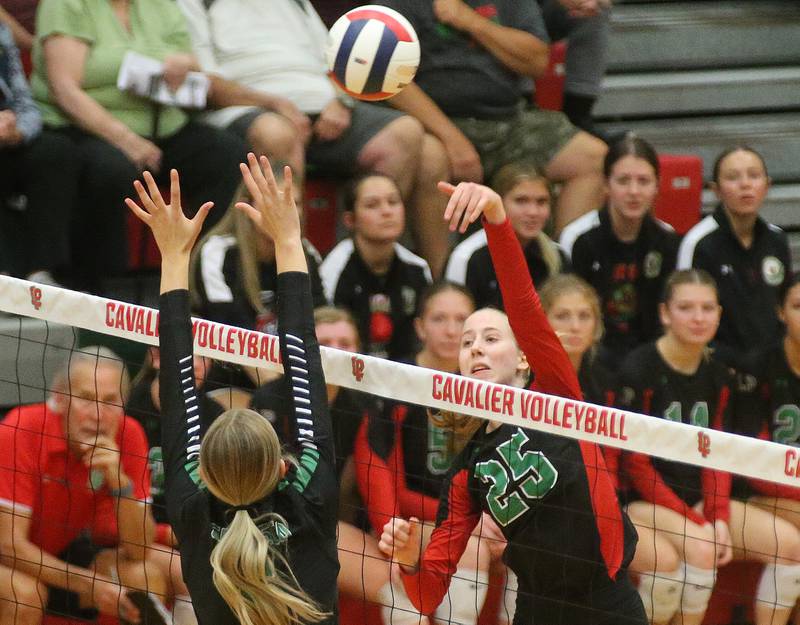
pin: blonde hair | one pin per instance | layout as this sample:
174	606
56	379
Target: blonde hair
505	180
240	458
235	223
564	283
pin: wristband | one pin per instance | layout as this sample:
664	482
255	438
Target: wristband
125	491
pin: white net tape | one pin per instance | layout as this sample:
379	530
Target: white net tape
580	420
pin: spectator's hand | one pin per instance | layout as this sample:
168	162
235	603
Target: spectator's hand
492	536
273	210
111	599
104	456
722	537
401	541
332	121
301	121
176	67
9	133
468	201
455	13
145	154
174	233
465	163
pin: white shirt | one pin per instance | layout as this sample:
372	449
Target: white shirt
274	46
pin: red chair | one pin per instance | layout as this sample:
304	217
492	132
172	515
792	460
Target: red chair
680	193
320	201
550	85
142	249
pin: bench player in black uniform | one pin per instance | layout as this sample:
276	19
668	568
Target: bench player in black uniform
748	257
678	379
568	540
370	274
527	196
257	533
623	251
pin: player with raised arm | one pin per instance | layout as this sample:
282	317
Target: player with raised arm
257	532
568	540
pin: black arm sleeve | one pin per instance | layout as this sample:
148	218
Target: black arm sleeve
180	410
304	377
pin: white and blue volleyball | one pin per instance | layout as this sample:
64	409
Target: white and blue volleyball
373	52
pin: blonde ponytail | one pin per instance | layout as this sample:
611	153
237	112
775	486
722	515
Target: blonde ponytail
240	461
254	579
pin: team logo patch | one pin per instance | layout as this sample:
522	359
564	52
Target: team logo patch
36	297
652	265
773	271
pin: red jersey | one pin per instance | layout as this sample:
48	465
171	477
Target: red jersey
39	475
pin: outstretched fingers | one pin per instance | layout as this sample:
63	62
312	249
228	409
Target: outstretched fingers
202	212
136	210
153	190
175	189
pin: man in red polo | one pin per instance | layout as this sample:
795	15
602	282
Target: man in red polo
74	484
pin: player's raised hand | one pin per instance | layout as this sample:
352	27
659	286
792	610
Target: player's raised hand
272	208
401	541
468	201
175	234
273	211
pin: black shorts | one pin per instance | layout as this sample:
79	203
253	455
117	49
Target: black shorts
80	552
608	603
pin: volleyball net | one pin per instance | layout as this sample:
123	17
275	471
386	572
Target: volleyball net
44	324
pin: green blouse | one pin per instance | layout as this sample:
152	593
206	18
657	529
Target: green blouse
157	30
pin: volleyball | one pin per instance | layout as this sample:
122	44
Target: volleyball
373	52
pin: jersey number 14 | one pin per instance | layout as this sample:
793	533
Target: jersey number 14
518	479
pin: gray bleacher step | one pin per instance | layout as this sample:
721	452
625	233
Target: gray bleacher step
782	206
686	35
708	91
26	367
776	136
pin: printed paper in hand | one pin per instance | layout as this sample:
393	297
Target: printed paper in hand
143	76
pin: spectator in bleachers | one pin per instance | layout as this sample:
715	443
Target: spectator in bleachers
586	25
370	274
74	483
115	134
526	197
698	525
39	234
402	457
748	257
469	92
278	47
623	251
19	16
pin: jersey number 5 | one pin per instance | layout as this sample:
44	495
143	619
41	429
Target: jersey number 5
528	475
